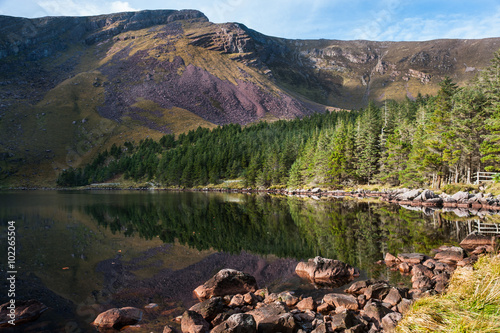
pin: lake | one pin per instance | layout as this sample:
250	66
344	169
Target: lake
82	252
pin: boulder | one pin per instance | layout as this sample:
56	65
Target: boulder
412	258
117	318
237	301
268	310
421	270
469	261
375	310
193	322
474	240
426	195
393	297
321	270
377	290
237	323
210	308
358	287
344	320
283	323
390	321
307	304
408	196
404	305
422	283
288	298
451	255
25	311
404	268
461	196
341	301
324	308
226	282
390	259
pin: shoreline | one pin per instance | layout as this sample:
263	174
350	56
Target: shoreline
464	200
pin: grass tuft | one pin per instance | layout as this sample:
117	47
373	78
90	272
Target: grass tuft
471	303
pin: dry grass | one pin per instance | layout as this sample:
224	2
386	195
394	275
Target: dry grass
471	303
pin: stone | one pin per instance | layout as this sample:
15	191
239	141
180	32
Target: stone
460	196
474	240
422	282
322	270
468	261
404	305
237	301
268	310
377	290
341	301
430	263
412	258
226	282
390	321
307	304
322	328
427	195
357	287
237	323
221	317
284	323
404	268
117	318
450	256
170	329
344	320
418	270
375	310
482	249
250	298
408	196
324	308
25	311
393	297
288	298
362	300
210	308
389	258
193	322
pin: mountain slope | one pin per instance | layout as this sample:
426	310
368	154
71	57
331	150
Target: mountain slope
72	86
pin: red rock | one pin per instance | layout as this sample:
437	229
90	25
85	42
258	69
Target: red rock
210	308
393	297
404	268
324	308
389	258
474	240
226	282
357	287
170	329
450	256
377	290
288	298
412	258
325	270
390	321
307	304
422	270
237	323
237	301
193	322
117	318
341	301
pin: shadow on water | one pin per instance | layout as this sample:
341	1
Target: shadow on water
84	252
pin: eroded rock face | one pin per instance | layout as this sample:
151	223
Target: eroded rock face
118	318
25	311
226	282
321	270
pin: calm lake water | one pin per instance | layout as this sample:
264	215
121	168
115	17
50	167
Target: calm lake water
83	252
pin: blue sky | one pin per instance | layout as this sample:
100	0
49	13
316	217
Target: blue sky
393	20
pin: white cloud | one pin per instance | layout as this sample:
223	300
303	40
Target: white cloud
86	8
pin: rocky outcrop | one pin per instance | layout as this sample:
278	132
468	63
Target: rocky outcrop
226	282
117	318
20	312
326	271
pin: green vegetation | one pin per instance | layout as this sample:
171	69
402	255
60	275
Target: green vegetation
430	141
471	303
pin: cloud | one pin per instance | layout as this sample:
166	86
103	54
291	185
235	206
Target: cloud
87	8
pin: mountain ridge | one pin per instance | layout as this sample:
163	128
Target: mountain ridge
72	86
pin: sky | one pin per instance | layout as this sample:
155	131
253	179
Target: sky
381	20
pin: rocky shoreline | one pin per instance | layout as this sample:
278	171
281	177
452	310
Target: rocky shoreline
231	302
404	197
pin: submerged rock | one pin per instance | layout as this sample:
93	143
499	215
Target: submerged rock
25	311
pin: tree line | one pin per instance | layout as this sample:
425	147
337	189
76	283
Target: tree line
431	140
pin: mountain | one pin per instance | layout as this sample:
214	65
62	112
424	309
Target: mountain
72	86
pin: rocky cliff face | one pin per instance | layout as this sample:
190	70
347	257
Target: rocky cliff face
71	86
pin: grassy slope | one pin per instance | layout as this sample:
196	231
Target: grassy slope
471	303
